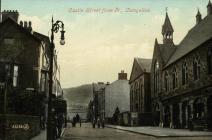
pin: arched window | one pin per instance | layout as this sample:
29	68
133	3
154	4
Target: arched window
166	81
156	77
184	74
174	78
196	68
210	61
131	98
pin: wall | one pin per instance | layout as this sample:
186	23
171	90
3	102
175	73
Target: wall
20	127
117	94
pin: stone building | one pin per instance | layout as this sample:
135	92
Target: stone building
140	94
181	80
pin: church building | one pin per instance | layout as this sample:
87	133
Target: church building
181	76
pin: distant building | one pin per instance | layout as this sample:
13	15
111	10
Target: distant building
116	95
98	92
140	93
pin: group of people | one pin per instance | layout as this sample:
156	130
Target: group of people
99	122
76	119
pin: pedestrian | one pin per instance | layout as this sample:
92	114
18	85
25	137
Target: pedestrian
74	121
77	117
98	122
42	122
55	129
60	124
103	123
94	123
80	122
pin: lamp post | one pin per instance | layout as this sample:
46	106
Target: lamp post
7	69
50	124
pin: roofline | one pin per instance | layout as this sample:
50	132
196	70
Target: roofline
130	81
167	65
21	28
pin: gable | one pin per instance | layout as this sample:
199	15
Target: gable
10	28
17	43
136	71
156	57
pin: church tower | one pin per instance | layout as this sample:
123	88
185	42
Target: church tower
167	31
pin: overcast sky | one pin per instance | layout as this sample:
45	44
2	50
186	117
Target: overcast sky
103	41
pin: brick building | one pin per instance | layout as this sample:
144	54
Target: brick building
181	80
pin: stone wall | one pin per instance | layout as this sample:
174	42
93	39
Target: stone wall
19	127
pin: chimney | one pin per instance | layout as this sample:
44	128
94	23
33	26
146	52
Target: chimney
30	26
25	24
122	75
10	13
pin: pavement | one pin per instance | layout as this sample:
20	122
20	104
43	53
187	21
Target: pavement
86	132
163	132
42	135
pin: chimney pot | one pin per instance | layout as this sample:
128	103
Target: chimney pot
21	23
122	75
25	24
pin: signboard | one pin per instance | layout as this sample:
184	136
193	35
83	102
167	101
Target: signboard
134	115
20	126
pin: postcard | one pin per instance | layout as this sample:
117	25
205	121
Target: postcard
105	69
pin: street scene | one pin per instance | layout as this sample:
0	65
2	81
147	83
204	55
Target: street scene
110	70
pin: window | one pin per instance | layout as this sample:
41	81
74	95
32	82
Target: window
9	41
15	76
156	77
166	81
174	78
184	74
43	82
196	68
209	59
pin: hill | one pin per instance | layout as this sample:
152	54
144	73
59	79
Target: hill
80	95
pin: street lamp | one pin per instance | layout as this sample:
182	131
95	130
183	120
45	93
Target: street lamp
50	124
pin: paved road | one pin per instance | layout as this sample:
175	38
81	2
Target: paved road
86	132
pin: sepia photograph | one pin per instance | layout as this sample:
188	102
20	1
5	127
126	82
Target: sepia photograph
105	69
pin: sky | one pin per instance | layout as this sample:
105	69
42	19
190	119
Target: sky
104	36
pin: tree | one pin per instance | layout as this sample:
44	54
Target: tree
115	115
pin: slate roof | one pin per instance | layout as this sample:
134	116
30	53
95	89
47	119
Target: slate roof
145	64
199	34
166	51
